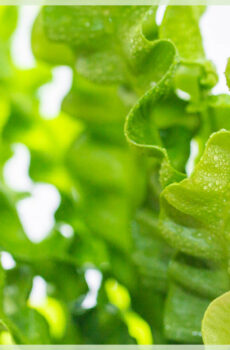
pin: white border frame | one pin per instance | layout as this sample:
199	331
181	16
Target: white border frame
114	2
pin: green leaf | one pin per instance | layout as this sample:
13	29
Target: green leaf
151	253
109	218
103	36
113	166
43	49
194	212
125	66
218	109
183	315
90	103
155	123
179	24
195	72
199	276
215	324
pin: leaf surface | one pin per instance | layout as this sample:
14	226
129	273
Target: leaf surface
215	324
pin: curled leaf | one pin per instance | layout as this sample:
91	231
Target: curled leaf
194	213
145	128
101	36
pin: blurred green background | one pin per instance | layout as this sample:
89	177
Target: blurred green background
67	190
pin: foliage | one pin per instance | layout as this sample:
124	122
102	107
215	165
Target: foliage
117	153
215	325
